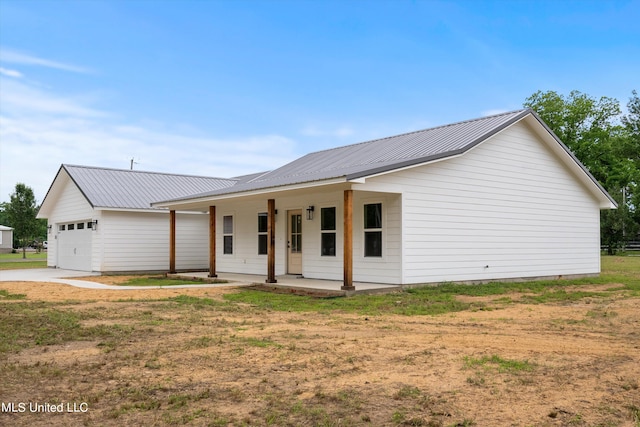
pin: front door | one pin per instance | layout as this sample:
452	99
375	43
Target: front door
294	244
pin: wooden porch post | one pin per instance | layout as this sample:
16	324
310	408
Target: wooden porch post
347	284
172	241
271	241
212	241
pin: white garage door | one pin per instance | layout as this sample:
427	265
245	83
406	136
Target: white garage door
74	247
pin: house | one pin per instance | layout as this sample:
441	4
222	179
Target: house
6	239
101	220
494	198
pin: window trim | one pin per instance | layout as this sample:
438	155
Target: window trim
372	230
329	231
263	234
226	234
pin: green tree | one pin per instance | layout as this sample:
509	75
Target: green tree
618	226
602	140
631	122
589	127
4	217
22	212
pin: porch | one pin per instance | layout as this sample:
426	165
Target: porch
293	284
334	235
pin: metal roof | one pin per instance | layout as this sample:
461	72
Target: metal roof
132	189
376	156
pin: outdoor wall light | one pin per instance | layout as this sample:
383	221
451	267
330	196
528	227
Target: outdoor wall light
49	228
94	224
310	210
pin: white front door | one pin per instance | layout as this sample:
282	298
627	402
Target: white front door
294	245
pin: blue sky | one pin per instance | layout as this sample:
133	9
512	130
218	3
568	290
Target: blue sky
224	88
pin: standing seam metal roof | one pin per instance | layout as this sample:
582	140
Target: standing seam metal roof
130	189
376	156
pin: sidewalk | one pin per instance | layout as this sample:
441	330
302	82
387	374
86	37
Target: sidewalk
57	275
286	283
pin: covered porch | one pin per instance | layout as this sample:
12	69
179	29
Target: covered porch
333	236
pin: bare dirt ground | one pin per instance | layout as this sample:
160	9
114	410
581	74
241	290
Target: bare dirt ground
572	364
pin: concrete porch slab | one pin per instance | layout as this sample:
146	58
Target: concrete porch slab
291	283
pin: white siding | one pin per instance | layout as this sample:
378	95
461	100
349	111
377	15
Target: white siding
70	207
6	240
388	268
245	258
379	270
139	241
507	209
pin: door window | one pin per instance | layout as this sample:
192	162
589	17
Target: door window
296	233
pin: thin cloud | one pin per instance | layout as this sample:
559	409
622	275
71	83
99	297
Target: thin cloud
15	57
10	73
339	132
494	112
20	98
42	129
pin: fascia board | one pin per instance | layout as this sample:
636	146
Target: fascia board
193	203
132	210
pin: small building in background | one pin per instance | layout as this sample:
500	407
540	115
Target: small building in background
6	239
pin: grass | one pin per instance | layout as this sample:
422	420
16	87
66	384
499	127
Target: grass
29	324
271	367
15	261
406	303
18	256
502	365
5	295
20	265
441	299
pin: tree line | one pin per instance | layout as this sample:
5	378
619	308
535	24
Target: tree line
20	214
607	142
604	139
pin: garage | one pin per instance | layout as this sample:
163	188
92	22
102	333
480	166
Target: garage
74	245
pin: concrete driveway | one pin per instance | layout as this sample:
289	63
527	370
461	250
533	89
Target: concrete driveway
58	275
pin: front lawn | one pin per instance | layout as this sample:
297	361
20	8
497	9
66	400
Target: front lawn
15	261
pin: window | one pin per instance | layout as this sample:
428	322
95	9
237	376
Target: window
89	224
227	233
328	231
81	226
296	234
62	227
373	230
262	233
71	227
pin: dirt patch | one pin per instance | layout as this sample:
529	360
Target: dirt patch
45	291
573	364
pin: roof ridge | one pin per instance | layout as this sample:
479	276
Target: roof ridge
66	165
422	130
